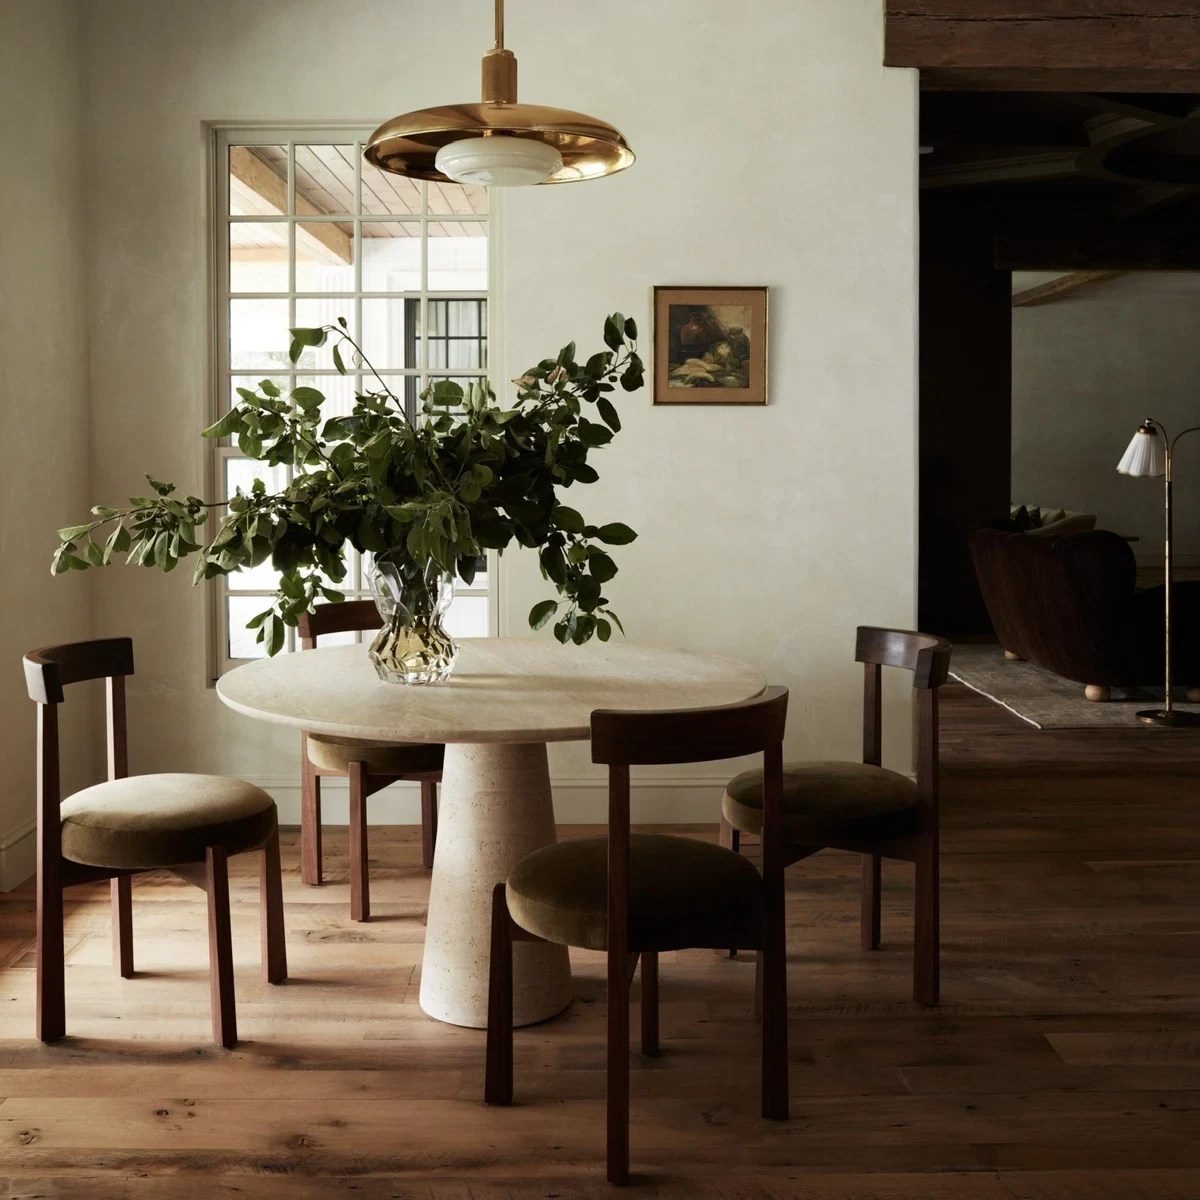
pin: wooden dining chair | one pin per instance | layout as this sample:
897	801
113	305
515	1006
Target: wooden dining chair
189	824
636	895
368	766
863	807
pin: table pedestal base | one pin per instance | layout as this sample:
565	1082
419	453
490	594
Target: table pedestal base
495	808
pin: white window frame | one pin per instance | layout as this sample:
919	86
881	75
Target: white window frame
221	137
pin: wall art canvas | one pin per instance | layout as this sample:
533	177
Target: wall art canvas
710	345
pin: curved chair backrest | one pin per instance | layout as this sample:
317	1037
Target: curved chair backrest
926	655
350	616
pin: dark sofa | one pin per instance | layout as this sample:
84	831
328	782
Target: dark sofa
1069	604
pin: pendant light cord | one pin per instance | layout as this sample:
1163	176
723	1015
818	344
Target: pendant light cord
499	24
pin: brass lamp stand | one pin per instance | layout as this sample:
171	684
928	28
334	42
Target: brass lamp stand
1149	456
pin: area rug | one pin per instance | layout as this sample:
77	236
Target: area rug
1046	700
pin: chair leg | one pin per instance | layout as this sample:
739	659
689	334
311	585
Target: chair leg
270	895
870	923
310	823
926	932
773	977
498	1071
731	839
649	1003
618	1070
220	948
758	985
51	962
428	821
360	884
121	891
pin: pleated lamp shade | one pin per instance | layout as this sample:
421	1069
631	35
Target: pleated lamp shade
1144	456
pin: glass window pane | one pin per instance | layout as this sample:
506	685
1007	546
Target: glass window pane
404	387
239	610
390	332
338	391
391	254
258	180
386	194
258	334
324	256
457	333
258	256
251	382
459	262
325	178
468	617
457	198
314	313
241	473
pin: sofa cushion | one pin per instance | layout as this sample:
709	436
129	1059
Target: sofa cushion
147	821
824	802
683	894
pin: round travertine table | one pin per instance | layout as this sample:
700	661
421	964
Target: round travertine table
507	698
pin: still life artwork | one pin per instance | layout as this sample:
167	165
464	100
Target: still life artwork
710	345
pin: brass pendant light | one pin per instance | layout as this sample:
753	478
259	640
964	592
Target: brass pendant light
498	142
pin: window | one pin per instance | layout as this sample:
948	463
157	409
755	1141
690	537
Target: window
308	232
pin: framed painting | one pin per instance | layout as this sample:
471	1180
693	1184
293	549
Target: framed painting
710	345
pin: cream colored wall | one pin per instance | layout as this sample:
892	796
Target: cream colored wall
773	148
1086	370
43	390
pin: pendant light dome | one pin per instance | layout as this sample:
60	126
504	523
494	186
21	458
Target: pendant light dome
498	142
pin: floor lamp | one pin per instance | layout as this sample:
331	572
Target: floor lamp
1149	456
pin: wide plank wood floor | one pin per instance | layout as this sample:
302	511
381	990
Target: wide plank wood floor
1064	1063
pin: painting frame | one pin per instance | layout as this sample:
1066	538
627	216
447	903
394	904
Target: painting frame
696	336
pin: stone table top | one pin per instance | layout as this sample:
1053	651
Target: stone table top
516	689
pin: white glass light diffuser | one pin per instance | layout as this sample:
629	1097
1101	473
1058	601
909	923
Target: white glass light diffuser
499	161
1144	457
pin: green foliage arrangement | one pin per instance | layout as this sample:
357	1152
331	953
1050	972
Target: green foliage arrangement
467	476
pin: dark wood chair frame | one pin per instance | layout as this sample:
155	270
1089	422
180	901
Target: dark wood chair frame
928	658
623	739
352	616
47	672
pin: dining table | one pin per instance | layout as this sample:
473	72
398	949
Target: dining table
507	698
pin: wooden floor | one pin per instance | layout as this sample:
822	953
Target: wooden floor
1064	1063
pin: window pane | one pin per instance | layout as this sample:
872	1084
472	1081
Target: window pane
468	617
457	333
312	314
325	180
258	180
239	610
258	256
458	263
386	194
324	256
404	387
338	391
258	334
391	254
457	198
241	473
251	382
390	332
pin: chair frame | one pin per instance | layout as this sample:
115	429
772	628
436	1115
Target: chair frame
928	658
622	739
352	616
47	672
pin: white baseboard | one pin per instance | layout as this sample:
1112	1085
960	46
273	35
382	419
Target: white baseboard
18	855
663	801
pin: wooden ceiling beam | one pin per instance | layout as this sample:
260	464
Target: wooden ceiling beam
1062	287
326	241
1112	248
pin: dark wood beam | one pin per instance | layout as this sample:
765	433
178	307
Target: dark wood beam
1109	249
1062	287
1046	45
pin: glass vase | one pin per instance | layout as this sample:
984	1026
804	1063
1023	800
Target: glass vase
413	646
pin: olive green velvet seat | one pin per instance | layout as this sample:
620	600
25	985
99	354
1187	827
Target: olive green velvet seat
143	822
682	893
826	801
335	754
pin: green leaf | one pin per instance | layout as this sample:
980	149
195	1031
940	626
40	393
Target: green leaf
631	329
567	519
614	337
603	629
307	395
225	426
71	532
616	534
608	413
268	388
94	554
275	642
602	566
591	434
337	356
615	619
540	613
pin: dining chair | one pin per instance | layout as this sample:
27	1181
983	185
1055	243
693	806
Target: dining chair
368	766
864	807
637	895
188	824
